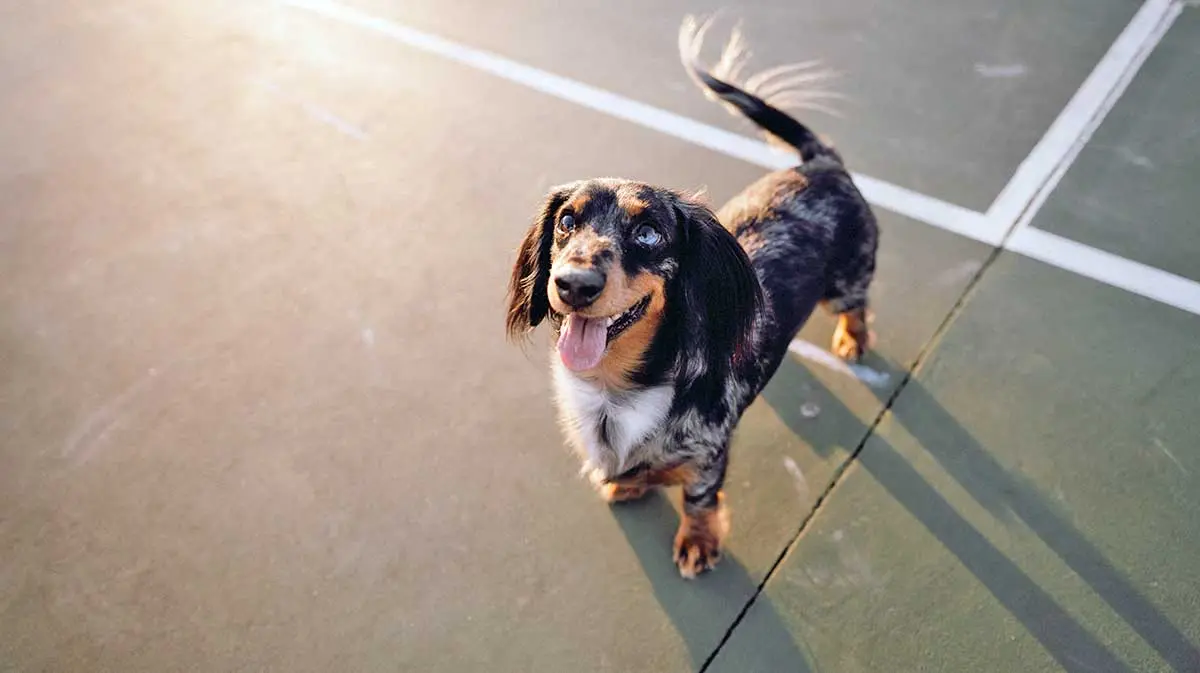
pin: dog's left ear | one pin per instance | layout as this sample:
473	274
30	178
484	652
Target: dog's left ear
527	300
721	292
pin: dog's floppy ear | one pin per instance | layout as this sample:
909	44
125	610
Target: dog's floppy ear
527	300
721	293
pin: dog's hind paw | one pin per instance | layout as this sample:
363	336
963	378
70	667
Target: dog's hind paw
852	338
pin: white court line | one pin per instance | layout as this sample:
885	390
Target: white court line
1040	172
1103	84
814	353
318	113
897	199
1138	278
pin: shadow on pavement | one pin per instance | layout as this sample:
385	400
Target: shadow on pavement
992	485
1001	492
701	609
692	606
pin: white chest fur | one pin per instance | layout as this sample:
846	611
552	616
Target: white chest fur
610	427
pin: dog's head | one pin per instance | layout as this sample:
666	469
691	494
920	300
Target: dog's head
614	259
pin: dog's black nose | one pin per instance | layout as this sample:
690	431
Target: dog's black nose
579	287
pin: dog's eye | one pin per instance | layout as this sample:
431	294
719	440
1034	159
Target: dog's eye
566	223
647	235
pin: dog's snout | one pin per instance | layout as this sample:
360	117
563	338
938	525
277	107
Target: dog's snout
579	287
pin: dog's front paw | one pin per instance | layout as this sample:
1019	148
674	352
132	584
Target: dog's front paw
698	542
695	554
617	492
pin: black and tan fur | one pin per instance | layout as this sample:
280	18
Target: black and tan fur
717	300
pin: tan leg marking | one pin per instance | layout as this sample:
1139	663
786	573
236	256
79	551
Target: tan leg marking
853	336
638	485
698	542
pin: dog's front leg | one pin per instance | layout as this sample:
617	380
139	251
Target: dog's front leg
705	517
636	485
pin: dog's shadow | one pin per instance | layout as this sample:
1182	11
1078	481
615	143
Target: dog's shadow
703	610
1007	494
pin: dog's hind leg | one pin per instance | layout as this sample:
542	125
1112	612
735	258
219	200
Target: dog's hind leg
852	337
846	294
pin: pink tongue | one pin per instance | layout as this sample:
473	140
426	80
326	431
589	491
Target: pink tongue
581	344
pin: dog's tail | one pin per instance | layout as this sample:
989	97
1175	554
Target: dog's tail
762	97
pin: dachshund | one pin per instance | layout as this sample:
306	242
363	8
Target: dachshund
670	319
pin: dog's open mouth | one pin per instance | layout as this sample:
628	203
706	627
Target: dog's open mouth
583	341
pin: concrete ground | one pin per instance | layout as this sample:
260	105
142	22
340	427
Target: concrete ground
258	414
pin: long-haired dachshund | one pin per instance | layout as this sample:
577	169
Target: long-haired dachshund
670	320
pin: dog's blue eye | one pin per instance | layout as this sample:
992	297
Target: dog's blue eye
566	223
647	235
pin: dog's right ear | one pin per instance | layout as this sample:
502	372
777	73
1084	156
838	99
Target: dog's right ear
528	302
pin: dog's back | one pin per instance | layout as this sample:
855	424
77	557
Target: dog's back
809	232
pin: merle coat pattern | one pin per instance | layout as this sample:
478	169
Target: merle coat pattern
697	310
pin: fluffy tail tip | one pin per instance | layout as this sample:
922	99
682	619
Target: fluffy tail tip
789	87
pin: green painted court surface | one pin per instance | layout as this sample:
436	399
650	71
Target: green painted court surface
257	413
